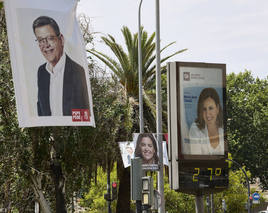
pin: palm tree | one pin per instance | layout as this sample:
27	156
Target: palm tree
125	66
125	70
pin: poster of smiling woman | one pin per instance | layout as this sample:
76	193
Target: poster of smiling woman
49	63
145	146
197	108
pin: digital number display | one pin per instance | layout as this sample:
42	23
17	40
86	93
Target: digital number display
203	178
213	173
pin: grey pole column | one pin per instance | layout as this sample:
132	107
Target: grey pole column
212	202
199	205
161	209
140	72
138	202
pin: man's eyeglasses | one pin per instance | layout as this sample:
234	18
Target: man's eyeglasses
49	39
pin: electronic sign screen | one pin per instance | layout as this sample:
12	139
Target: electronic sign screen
197	110
202	178
197	127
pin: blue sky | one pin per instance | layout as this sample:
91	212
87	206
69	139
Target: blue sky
234	32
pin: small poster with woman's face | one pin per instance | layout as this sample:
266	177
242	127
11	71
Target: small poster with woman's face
145	146
146	149
202	106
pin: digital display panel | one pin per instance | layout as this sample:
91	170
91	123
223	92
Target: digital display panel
197	110
202	177
201	106
197	146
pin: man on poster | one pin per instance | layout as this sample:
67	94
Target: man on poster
62	84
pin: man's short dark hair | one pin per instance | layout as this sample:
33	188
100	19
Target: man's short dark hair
45	20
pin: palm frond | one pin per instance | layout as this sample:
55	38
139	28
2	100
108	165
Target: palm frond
118	51
125	64
128	38
151	71
111	63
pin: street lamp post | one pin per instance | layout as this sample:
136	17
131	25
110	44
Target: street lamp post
140	72
161	209
138	202
158	99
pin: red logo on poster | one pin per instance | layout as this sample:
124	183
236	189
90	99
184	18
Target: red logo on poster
85	115
76	115
80	115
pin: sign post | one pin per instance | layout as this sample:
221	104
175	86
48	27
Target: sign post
199	206
256	198
224	207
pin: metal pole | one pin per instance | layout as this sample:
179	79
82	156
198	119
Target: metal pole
249	207
208	204
161	209
73	203
36	207
224	206
212	203
138	202
199	205
140	72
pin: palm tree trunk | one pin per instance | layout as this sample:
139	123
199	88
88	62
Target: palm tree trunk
123	202
59	182
57	174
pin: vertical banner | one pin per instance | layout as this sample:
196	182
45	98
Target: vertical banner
49	64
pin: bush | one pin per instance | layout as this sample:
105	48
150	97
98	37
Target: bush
94	200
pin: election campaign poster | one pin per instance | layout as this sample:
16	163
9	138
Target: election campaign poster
49	64
145	146
197	116
202	96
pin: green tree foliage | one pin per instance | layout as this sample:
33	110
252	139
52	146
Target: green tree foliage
94	200
247	127
69	155
177	202
13	142
236	195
